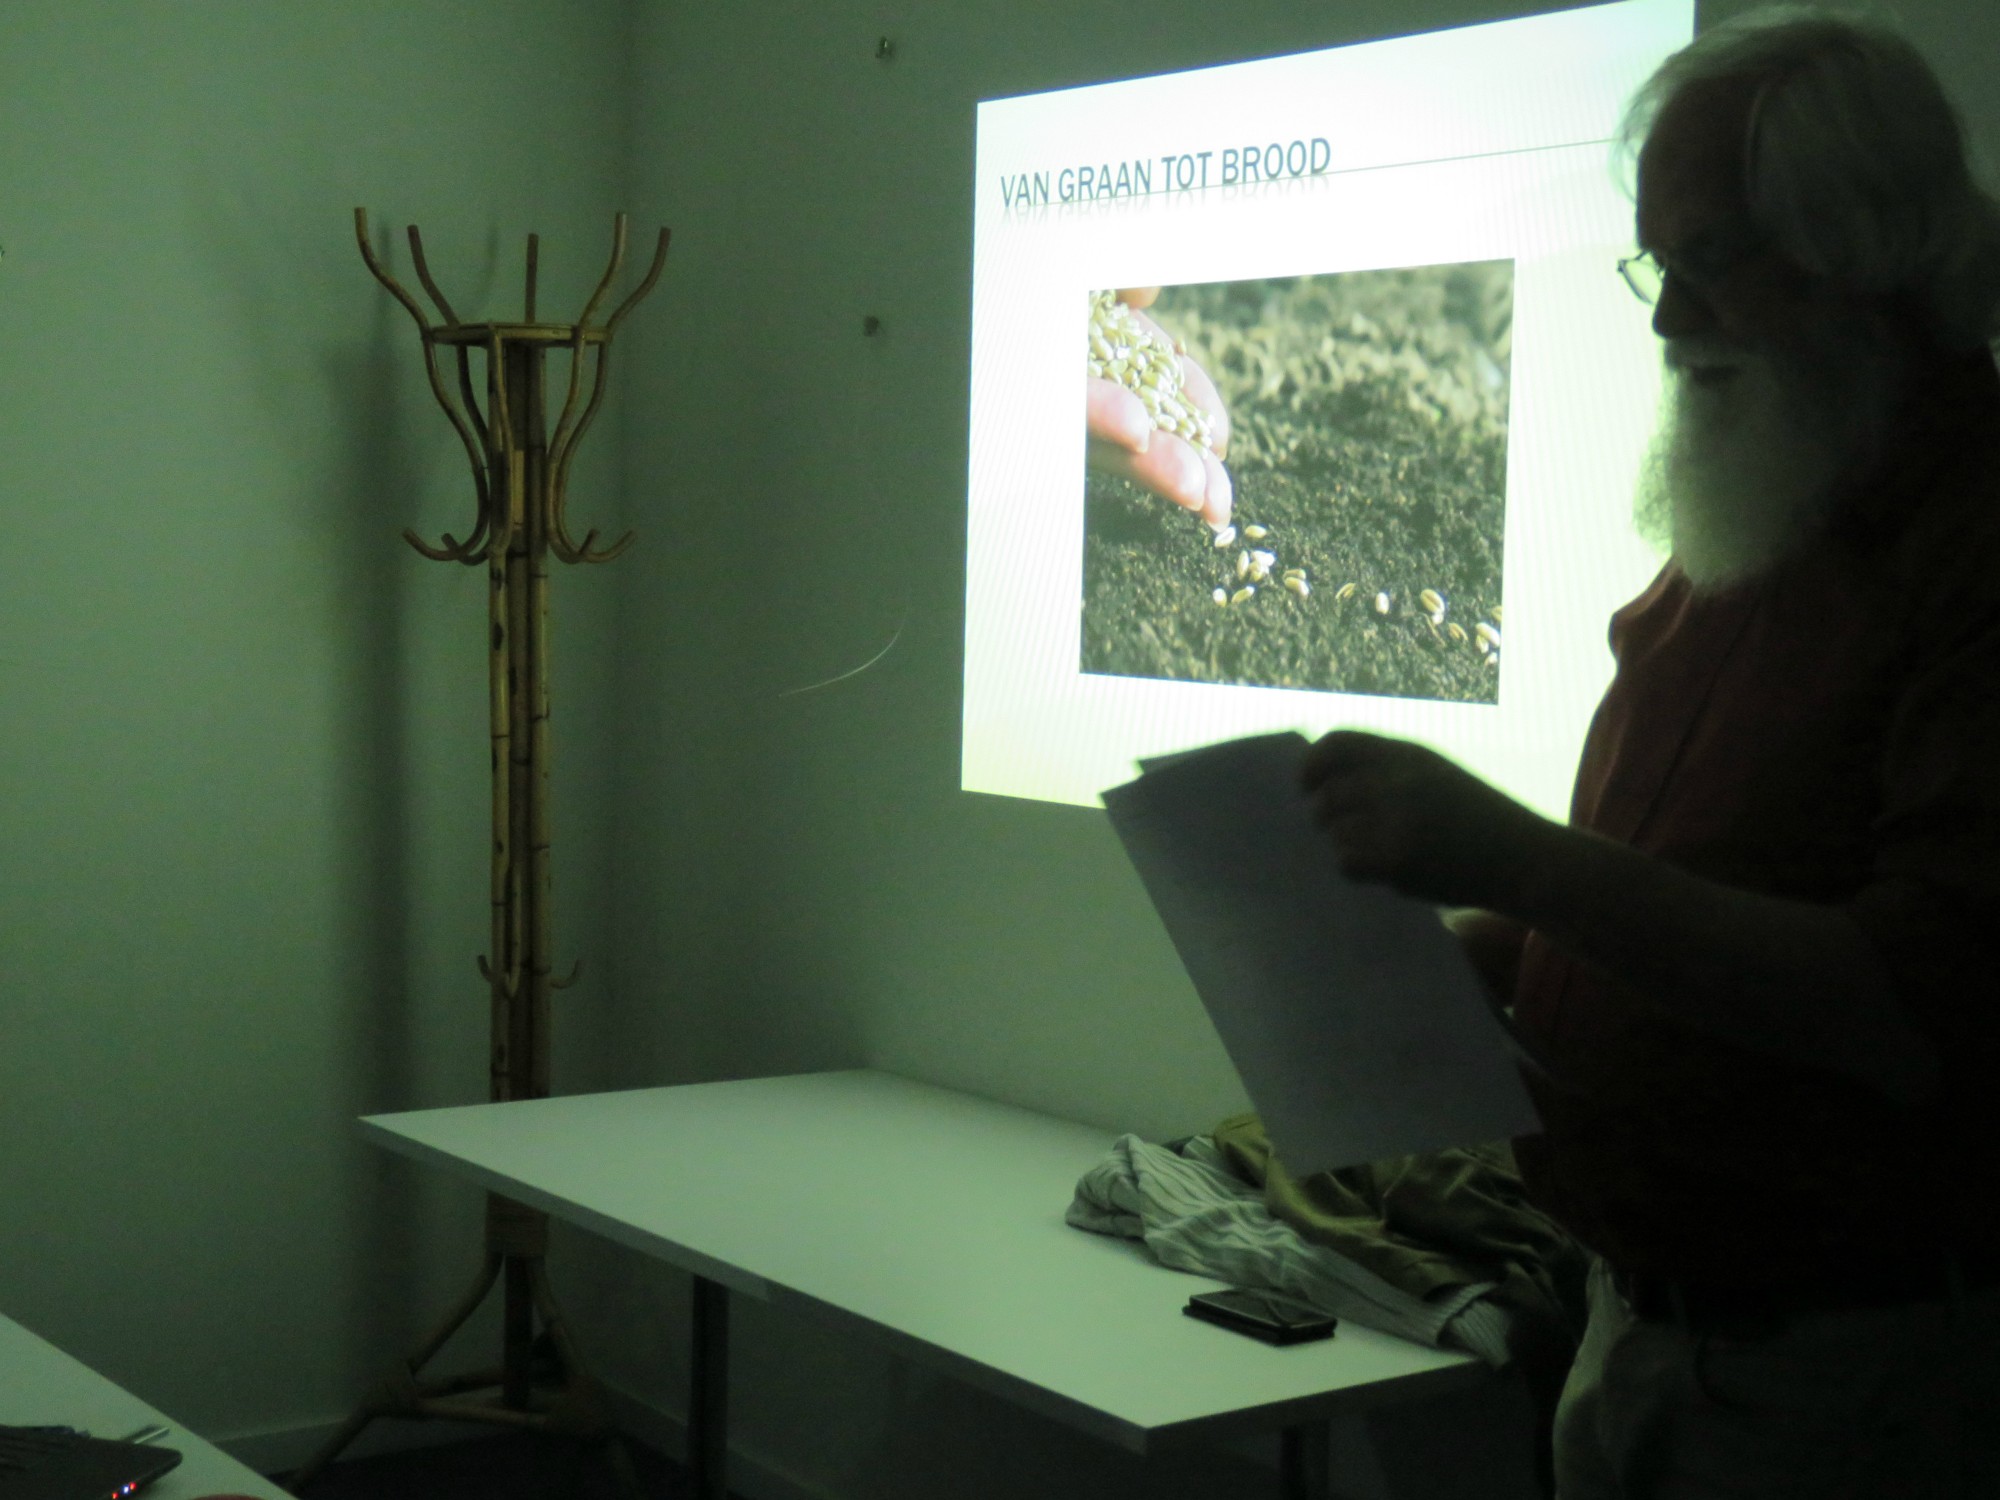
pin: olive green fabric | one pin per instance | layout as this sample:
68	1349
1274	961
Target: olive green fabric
1424	1223
1432	1222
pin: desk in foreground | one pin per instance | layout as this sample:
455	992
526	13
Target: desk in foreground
935	1217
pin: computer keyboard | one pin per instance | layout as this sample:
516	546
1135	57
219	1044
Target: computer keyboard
25	1448
62	1463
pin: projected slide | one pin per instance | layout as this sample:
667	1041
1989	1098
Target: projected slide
1367	416
1370	295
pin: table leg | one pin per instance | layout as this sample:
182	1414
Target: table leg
1305	1461
708	1394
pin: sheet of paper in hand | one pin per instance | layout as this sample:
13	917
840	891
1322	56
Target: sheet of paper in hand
1358	1027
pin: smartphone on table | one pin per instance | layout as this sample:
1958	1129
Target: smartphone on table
1270	1316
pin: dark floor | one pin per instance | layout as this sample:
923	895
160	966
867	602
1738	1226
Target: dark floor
506	1467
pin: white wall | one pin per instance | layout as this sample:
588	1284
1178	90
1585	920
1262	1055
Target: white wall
242	773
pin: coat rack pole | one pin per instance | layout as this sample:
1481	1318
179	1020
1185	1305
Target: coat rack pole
540	1383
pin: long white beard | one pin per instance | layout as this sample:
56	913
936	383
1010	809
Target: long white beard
1742	474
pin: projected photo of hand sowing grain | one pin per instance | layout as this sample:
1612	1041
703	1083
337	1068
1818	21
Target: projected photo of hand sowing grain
1367	444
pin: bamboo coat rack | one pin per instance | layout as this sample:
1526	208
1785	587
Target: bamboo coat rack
520	474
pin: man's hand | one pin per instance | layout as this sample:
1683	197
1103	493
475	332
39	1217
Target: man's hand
1122	439
1492	945
1796	980
1408	818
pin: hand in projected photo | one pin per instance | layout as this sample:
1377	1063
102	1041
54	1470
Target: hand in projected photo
1123	440
1404	816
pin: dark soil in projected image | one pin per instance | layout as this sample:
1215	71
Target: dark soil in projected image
1368	417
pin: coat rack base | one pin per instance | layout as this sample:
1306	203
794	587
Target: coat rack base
541	1386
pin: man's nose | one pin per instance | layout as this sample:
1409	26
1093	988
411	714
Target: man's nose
1679	311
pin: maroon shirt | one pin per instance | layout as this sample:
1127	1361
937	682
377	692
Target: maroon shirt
1829	732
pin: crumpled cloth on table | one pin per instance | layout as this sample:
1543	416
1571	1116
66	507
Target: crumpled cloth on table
1444	1248
1194	1214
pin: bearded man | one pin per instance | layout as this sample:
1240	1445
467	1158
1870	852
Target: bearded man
1761	962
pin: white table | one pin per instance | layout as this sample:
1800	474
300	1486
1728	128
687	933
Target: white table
42	1386
936	1219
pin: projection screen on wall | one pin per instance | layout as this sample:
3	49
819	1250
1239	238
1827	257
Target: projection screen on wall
1396	265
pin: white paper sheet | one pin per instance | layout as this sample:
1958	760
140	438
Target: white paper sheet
1357	1025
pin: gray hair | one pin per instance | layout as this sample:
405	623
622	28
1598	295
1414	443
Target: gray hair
1854	161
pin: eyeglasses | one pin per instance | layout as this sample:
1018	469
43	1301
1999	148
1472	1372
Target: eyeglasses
1645	275
1700	267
